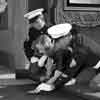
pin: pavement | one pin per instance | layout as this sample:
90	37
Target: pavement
84	91
12	89
20	93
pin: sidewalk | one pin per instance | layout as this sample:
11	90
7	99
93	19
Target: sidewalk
82	90
85	91
6	80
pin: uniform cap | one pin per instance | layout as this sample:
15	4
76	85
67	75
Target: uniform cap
33	13
59	30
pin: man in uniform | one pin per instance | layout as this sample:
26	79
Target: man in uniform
38	27
69	59
61	55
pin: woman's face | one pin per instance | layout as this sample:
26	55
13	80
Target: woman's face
39	23
40	48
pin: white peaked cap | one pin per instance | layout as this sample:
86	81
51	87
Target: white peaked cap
59	30
34	13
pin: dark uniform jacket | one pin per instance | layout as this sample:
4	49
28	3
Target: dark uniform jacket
33	34
62	59
83	57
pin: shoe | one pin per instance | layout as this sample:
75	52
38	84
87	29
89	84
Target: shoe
71	82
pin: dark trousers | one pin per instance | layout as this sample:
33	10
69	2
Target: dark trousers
83	72
86	75
22	74
61	81
33	73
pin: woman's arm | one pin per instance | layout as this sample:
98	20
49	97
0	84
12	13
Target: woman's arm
57	74
42	60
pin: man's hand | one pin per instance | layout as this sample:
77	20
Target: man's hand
73	63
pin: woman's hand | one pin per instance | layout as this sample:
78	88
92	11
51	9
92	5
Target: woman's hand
97	66
42	60
42	87
34	59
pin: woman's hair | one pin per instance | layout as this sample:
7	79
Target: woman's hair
44	41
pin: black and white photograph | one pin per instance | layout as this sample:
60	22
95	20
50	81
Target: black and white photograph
49	49
3	14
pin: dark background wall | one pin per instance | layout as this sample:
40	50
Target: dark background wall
89	21
11	39
34	4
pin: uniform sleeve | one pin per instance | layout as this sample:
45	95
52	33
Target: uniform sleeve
27	49
59	59
29	52
63	59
